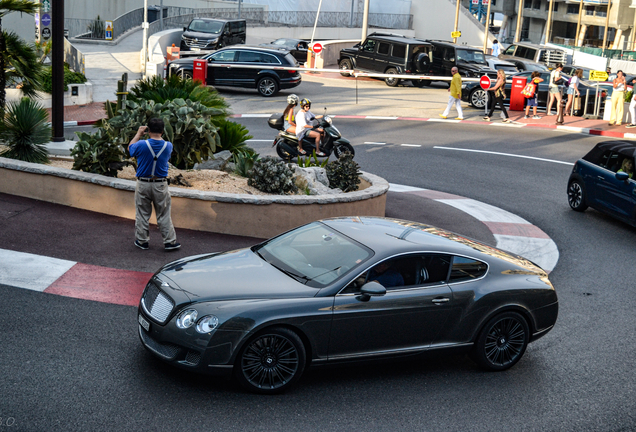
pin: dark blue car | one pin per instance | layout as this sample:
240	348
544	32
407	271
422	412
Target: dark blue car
603	180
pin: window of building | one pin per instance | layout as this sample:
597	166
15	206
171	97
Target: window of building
536	4
554	9
573	9
601	12
589	10
527	4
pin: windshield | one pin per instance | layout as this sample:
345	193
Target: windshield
204	26
471	56
313	254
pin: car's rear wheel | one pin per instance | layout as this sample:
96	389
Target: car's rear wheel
271	362
185	74
267	86
345	65
576	196
478	98
502	342
392	82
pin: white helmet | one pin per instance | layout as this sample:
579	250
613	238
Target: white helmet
292	99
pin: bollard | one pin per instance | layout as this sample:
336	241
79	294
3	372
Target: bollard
122	85
587	94
560	109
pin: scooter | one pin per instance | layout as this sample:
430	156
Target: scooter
287	143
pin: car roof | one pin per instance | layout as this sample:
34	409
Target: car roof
391	37
533	45
267	49
625	148
215	19
449	43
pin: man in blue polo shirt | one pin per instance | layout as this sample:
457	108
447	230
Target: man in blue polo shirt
151	190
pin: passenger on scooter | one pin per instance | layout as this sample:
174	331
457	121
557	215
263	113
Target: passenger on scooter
289	118
304	127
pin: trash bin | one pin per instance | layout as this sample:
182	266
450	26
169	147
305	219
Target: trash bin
517	100
153	13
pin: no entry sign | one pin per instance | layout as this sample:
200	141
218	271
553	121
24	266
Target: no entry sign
484	82
317	48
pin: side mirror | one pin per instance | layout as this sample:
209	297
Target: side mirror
370	289
357	46
622	176
185	29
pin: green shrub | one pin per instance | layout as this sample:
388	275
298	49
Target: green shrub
311	161
232	136
70	77
95	153
344	173
25	130
628	96
272	175
244	161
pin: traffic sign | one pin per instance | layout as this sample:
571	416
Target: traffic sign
484	2
456	34
317	48
598	76
484	82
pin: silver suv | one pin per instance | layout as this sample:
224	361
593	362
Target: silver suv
520	51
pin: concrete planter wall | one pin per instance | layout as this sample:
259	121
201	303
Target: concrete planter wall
84	95
239	214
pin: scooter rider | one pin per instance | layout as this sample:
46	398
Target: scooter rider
304	126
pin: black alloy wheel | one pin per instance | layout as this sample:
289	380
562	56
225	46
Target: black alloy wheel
185	74
283	154
271	362
478	98
392	82
267	86
345	65
502	342
341	149
576	196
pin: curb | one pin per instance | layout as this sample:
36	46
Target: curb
124	287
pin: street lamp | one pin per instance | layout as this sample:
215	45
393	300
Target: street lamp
144	49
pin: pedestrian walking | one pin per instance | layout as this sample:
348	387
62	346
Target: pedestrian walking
498	94
573	89
495	48
151	189
618	99
455	97
554	92
632	105
533	93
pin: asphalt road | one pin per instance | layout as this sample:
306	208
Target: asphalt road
69	364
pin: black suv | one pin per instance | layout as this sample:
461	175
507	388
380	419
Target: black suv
267	81
388	54
209	34
470	62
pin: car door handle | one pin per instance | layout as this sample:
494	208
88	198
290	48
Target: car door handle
440	300
600	178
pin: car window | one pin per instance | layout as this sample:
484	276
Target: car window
383	48
369	45
465	269
531	54
223	56
406	271
470	56
250	57
399	51
610	160
204	26
510	50
302	45
290	60
449	54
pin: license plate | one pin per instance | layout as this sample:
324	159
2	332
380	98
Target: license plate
195	49
145	324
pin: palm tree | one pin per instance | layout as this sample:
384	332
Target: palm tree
6	7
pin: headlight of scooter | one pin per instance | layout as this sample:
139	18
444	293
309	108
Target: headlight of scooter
328	120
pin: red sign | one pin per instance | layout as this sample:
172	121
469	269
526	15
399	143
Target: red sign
484	82
317	48
484	2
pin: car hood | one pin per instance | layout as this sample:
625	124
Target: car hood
201	35
233	275
476	67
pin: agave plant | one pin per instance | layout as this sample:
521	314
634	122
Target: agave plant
25	131
232	136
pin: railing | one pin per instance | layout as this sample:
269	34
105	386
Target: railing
127	21
74	57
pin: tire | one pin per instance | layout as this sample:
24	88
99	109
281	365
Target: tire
576	196
185	74
502	342
421	63
421	83
271	362
345	65
340	149
392	82
478	98
267	86
283	153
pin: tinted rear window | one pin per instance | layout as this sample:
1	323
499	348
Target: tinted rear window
290	60
465	269
384	48
399	51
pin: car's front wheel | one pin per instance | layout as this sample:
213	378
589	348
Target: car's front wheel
267	86
478	98
185	74
502	342
392	82
576	196
345	65
271	362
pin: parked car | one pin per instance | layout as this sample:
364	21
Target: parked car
388	54
533	52
297	47
476	96
340	290
596	182
211	33
267	81
530	66
469	61
496	63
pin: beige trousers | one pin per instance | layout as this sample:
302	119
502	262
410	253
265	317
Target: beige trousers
148	195
618	101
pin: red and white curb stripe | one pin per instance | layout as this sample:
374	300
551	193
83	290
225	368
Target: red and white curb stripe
571	129
512	233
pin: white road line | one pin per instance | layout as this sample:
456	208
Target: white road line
257	140
374	143
411	145
515	125
484	212
505	154
256	115
443	120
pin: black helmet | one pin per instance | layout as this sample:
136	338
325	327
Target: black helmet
304	102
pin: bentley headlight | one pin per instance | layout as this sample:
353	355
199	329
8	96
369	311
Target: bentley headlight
207	324
187	318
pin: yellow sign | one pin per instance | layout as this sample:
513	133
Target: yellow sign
108	34
456	34
598	76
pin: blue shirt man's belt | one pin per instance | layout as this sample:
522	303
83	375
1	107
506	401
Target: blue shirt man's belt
151	179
